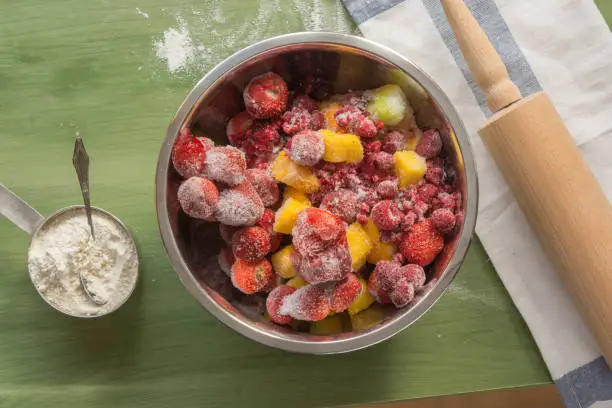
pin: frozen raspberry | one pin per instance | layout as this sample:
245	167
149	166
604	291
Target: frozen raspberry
362	219
388	274
260	162
443	219
355	99
264	184
251	277
189	154
296	120
309	303
239	206
447	201
394	141
387	215
342	203
251	244
198	197
387	189
304	102
307	148
227	232
429	145
317	229
275	300
420	208
317	120
260	140
331	264
225	164
408	221
372	147
237	127
345	292
398	258
414	274
353	120
435	175
383	161
226	259
422	243
402	294
427	192
266	96
389	236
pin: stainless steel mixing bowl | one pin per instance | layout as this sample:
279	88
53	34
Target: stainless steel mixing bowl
349	63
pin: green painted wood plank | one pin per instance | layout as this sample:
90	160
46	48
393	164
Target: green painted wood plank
90	66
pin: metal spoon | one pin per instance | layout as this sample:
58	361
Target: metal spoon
80	160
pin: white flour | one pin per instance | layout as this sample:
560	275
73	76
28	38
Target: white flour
64	248
176	48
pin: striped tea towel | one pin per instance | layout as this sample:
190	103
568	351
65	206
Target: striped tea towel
563	47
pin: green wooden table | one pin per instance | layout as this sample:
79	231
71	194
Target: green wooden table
92	66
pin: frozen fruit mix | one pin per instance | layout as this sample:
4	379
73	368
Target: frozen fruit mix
326	206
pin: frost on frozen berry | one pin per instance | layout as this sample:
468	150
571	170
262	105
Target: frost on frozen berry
237	127
422	243
267	220
309	303
274	302
402	294
414	274
239	206
189	154
251	277
394	141
344	293
330	264
198	198
383	161
354	121
387	215
304	102
443	219
343	203
427	192
225	164
266	96
317	229
429	145
260	140
297	120
226	259
264	185
388	189
251	244
307	148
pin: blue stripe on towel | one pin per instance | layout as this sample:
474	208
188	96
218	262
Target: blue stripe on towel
586	385
363	10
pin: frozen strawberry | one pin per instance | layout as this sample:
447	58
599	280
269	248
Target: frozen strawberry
394	141
443	219
429	145
304	102
264	184
427	192
422	243
251	277
198	198
387	215
274	302
226	259
317	229
331	264
275	241
387	189
402	294
343	203
251	244
266	96
307	148
237	127
344	293
260	140
414	274
227	232
225	164
189	153
354	121
239	205
309	303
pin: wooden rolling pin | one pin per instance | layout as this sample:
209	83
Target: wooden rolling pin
550	180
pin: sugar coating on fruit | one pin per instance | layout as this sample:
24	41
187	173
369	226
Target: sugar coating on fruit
344	293
225	164
429	145
251	244
331	264
309	303
443	219
317	229
265	96
264	185
251	277
387	215
422	243
189	154
237	127
343	203
274	302
239	206
307	148
198	197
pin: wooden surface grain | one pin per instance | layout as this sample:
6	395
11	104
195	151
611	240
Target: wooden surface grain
91	66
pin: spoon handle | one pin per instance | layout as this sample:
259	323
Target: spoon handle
80	160
18	211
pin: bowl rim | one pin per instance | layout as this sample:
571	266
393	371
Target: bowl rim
255	332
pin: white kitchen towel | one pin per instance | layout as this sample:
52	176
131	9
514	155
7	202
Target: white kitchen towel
563	47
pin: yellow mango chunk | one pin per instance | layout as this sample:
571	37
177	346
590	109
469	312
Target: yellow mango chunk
381	251
359	245
329	110
372	230
296	282
341	147
367	318
291	192
409	167
284	170
281	262
363	301
329	325
287	214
